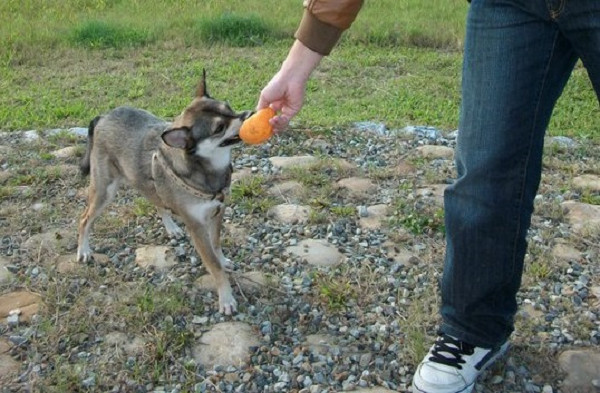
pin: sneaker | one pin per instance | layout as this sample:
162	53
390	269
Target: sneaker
452	366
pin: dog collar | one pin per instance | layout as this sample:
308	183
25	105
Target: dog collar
159	159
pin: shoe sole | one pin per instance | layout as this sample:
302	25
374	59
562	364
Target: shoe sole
468	389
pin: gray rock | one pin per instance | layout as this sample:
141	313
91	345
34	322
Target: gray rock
158	257
317	252
225	344
581	366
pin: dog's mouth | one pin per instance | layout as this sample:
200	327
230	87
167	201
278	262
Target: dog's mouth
230	141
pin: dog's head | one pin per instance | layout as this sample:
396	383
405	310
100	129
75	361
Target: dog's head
207	128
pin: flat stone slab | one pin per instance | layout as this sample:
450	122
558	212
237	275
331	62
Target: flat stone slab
317	252
251	282
584	218
293	162
566	252
240	174
582	368
158	257
8	366
52	241
65	152
289	213
67	263
131	346
28	304
435	192
434	151
287	190
587	182
358	186
404	169
226	344
375	216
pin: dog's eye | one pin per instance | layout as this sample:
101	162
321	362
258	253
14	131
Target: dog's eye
220	128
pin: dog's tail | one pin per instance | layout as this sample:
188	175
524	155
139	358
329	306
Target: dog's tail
84	165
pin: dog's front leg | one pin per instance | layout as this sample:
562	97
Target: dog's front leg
215	236
201	221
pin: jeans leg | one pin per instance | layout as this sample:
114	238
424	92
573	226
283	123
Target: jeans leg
579	22
516	64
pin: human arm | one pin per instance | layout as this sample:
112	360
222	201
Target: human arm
321	27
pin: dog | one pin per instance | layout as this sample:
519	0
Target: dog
183	167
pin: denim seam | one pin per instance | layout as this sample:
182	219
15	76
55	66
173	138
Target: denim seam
555	12
528	156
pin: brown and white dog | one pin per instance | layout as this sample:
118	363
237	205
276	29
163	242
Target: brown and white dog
183	167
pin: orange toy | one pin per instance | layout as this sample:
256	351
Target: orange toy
256	129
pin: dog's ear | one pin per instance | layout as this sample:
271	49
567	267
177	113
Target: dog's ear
201	91
178	137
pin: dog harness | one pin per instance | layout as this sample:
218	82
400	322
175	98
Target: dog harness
160	160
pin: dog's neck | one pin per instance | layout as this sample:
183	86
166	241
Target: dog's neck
194	172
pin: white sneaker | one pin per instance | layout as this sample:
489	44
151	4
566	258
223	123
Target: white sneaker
452	366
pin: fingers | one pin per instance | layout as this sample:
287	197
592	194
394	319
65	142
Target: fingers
280	123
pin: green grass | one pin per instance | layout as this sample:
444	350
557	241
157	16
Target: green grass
64	62
97	34
235	30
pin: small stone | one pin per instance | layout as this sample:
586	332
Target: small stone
89	382
198	320
12	320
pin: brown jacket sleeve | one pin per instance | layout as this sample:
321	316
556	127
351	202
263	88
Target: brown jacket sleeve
324	21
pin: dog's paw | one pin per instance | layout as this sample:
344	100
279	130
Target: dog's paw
84	254
227	303
226	264
174	231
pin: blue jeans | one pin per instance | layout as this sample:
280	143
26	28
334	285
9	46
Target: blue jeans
518	57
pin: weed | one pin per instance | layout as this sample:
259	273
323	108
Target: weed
46	156
97	34
590	197
62	137
317	217
334	292
142	207
343	211
539	269
419	220
235	30
7	192
420	313
249	195
247	187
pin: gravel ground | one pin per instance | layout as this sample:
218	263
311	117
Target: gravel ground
378	309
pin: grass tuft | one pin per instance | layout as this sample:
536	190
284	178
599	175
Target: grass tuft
97	34
234	30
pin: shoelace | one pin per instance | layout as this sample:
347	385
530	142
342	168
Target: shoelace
449	351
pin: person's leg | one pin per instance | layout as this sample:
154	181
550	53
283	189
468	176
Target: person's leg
519	55
579	22
516	65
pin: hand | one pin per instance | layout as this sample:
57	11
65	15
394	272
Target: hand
285	96
285	92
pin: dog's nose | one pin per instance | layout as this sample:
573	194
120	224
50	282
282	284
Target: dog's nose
247	114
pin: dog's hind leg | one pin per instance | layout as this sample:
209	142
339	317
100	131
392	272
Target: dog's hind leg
171	227
99	196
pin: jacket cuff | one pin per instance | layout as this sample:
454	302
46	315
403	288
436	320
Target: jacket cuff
316	35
